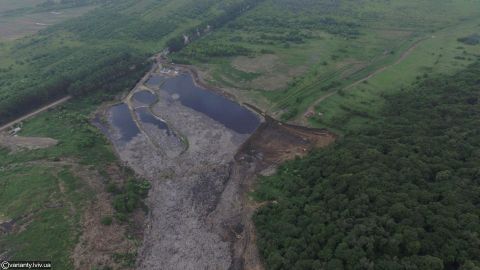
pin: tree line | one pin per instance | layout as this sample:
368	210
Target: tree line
72	75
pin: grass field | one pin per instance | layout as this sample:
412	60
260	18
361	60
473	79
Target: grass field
40	191
318	48
33	196
440	53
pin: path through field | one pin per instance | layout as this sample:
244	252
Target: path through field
404	56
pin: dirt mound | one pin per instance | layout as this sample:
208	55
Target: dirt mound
276	142
15	143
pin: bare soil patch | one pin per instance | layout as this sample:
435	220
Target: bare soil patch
277	80
272	144
275	74
275	142
15	143
394	34
98	242
260	64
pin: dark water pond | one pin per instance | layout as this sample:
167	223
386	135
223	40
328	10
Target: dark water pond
155	80
146	116
145	97
123	121
217	107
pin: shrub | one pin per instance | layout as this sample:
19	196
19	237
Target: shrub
107	220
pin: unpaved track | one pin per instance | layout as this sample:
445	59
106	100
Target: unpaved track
404	56
382	69
44	108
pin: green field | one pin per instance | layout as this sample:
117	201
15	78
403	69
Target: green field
45	191
286	55
40	191
50	217
439	54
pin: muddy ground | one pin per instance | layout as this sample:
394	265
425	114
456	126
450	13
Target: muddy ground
200	212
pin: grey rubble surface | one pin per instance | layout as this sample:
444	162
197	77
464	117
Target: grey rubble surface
186	188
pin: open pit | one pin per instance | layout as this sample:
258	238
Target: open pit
202	152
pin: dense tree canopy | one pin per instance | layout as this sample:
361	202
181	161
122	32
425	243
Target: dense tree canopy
402	194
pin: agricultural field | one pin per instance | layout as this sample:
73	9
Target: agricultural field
329	60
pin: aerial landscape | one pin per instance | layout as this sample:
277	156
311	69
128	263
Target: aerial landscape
240	134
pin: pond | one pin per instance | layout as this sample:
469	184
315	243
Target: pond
145	97
155	81
146	116
123	121
215	106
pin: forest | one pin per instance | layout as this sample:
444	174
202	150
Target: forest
400	194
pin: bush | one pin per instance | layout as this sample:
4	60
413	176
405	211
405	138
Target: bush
131	196
107	220
470	40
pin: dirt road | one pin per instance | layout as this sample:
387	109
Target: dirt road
44	108
404	56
